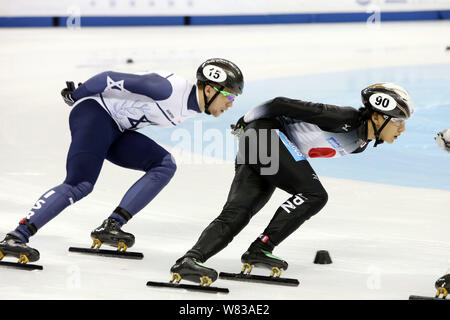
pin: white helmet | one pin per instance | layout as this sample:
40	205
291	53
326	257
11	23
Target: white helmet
388	99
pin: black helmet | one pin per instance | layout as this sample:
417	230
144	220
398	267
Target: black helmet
388	99
222	72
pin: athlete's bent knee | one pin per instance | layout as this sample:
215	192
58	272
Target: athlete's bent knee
317	201
166	168
170	165
77	191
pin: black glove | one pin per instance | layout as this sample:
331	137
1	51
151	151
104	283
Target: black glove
238	128
66	93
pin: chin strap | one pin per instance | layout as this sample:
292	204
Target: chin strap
378	132
208	103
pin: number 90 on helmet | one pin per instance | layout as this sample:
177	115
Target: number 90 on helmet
388	99
222	72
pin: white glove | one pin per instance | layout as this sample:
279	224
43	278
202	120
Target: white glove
443	140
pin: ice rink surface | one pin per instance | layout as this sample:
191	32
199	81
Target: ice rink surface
386	221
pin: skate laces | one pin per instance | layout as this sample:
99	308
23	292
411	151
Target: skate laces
113	223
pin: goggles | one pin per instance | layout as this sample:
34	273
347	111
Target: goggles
397	121
230	96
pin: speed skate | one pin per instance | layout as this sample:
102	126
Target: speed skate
119	253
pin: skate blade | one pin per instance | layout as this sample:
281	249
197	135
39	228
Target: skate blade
259	279
22	266
122	246
96	244
108	253
276	272
176	277
414	297
246	268
189	287
23	259
442	291
205	281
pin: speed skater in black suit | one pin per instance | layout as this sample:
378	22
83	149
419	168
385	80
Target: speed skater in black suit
275	140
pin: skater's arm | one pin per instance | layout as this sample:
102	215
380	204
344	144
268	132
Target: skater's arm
327	117
151	85
361	148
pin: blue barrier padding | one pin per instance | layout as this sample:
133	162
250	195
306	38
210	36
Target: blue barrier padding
445	14
413	15
319	17
126	21
26	22
250	19
340	17
88	21
280	18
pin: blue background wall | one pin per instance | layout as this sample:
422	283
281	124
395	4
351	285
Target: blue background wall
101	21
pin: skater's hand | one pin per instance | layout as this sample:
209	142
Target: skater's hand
443	140
66	93
238	128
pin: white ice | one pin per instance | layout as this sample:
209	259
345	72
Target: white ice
381	249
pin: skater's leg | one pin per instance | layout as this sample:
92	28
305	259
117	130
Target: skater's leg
136	151
49	205
308	197
248	194
92	132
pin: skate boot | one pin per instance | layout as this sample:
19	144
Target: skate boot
192	270
111	234
262	258
13	246
443	286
